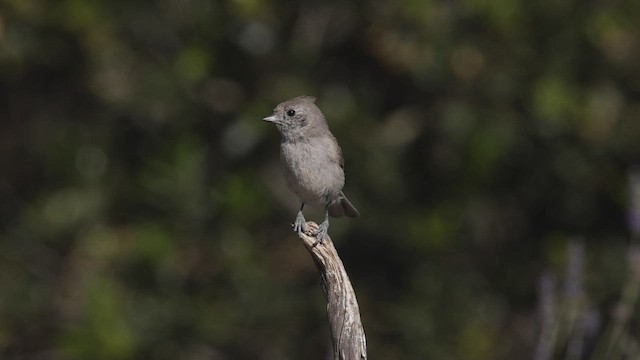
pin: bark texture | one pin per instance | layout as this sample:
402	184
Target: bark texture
347	333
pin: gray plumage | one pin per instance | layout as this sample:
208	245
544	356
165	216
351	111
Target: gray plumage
311	159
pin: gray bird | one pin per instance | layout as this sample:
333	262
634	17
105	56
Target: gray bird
312	160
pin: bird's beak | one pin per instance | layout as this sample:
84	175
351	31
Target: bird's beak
272	118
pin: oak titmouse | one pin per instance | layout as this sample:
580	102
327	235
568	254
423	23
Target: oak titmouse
312	160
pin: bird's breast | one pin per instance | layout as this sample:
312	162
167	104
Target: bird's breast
312	170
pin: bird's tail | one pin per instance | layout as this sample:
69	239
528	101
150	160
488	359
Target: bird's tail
344	207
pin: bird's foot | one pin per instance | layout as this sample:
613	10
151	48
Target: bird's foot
298	225
322	232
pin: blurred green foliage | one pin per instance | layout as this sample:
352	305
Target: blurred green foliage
143	214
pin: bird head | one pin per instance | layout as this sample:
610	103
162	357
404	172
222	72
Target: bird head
298	118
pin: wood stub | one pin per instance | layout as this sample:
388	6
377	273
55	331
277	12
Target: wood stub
347	333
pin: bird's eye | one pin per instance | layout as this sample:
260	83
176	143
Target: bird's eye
291	112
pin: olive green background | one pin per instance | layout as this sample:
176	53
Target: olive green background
143	214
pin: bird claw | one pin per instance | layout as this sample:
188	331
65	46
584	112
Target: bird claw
322	232
298	225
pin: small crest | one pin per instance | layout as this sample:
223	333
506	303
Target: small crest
305	97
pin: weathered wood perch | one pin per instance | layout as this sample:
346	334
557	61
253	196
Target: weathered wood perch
347	333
